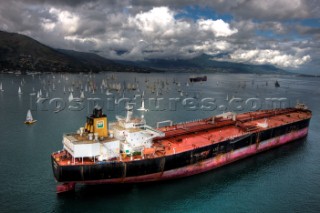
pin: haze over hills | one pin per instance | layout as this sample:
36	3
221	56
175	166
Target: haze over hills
205	63
20	52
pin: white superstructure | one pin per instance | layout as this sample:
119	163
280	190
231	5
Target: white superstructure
127	136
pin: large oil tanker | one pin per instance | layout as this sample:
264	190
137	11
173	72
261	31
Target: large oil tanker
130	151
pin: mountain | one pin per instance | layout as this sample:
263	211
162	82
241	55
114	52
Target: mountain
205	63
20	52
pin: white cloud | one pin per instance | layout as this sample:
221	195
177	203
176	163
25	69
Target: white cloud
213	47
68	21
166	36
155	20
47	24
268	56
82	40
217	27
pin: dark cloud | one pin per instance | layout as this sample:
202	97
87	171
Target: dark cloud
142	29
69	3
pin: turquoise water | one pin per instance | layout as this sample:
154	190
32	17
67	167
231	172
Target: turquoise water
285	179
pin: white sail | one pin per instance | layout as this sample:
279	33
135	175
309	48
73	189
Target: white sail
82	95
19	91
29	116
1	87
70	97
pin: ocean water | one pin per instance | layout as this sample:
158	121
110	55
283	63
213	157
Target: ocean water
285	179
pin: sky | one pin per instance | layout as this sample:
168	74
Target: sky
283	33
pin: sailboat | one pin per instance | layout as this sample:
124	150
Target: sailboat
1	90
29	118
108	92
19	91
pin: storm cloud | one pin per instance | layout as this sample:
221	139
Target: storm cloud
284	33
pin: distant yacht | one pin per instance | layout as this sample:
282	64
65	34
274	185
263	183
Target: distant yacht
19	91
29	118
1	90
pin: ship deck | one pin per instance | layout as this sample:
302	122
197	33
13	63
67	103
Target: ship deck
191	135
202	133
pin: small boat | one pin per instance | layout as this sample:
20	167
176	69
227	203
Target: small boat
198	78
1	90
277	84
108	92
29	118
